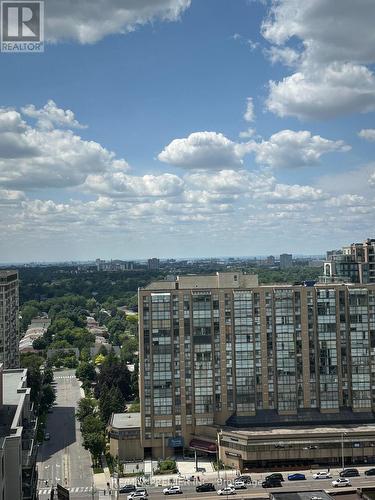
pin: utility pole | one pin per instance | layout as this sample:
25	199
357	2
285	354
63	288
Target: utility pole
217	456
342	451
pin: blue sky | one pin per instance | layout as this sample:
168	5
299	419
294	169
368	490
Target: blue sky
176	128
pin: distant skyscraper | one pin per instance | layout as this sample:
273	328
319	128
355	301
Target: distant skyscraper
286	260
9	334
153	263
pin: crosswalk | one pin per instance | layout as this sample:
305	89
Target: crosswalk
77	489
64	377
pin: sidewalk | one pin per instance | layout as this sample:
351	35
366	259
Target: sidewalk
101	479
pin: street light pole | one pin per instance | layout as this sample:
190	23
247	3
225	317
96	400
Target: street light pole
217	456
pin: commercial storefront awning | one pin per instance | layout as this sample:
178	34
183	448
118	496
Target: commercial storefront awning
199	444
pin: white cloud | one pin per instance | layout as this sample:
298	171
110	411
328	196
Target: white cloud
249	114
330	31
332	78
284	193
288	148
325	92
246	134
347	200
48	157
88	21
204	150
9	197
368	134
284	55
50	115
119	184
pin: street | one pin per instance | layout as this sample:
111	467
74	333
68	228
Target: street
62	459
257	491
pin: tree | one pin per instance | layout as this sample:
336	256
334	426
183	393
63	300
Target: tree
48	396
86	371
86	407
91	424
110	401
28	313
33	363
40	344
48	376
95	443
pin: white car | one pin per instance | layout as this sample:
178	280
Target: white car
322	475
138	495
228	490
238	485
341	481
172	490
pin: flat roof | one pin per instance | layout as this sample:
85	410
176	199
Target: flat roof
126	420
300	495
298	432
12	380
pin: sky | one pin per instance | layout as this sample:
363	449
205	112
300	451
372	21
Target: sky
189	128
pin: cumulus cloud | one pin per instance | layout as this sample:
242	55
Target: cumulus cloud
332	77
288	148
50	115
88	21
204	150
48	157
249	114
246	134
284	55
368	134
324	92
122	185
284	193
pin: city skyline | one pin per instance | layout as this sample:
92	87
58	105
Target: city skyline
176	119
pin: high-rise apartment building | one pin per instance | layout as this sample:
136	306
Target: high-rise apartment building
286	260
354	263
153	264
9	333
259	373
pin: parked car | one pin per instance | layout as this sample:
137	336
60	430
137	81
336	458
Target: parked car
127	488
275	475
205	487
226	491
296	477
341	481
271	483
172	490
349	473
322	475
239	485
245	479
370	472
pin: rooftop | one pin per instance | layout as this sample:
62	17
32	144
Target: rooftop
218	280
8	276
125	420
300	495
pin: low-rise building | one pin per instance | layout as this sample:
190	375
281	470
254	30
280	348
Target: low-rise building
125	436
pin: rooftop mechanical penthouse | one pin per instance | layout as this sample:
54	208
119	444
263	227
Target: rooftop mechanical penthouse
221	354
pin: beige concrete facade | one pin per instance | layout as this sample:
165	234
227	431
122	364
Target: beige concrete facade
241	355
9	329
125	436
